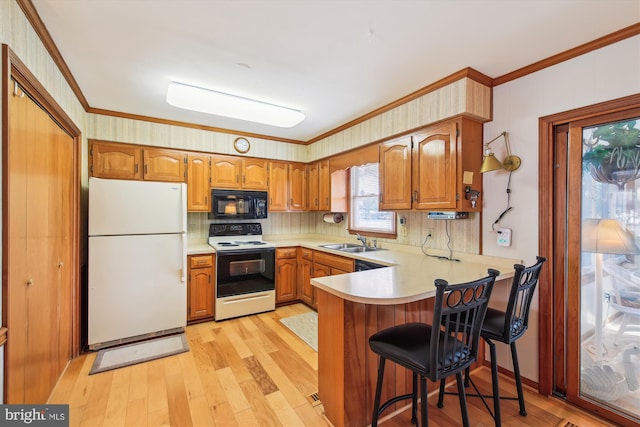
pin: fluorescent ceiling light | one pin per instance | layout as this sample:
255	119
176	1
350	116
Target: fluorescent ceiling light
222	104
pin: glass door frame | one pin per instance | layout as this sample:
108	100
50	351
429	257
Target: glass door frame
562	248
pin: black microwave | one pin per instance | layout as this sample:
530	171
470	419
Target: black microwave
238	204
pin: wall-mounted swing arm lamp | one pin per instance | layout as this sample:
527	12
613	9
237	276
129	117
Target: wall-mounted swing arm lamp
510	163
489	161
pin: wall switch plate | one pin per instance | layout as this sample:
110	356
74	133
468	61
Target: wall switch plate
504	237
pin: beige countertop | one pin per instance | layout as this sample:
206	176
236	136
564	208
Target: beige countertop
409	277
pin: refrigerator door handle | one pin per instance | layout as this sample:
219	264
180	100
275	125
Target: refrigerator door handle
183	277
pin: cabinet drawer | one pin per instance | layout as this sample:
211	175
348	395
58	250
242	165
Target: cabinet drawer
196	261
334	261
306	254
286	253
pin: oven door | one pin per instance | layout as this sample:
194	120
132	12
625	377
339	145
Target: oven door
245	271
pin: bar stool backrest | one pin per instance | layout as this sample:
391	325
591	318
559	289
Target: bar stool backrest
520	297
460	310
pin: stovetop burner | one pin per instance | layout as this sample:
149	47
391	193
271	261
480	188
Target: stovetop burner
236	236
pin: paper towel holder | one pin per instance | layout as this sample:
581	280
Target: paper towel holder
333	218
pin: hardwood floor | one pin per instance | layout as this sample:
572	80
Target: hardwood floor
252	371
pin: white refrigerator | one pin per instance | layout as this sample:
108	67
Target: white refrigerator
137	285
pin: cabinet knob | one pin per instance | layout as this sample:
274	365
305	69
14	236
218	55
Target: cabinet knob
29	282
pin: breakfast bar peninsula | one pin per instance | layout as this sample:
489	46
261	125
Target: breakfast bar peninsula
352	307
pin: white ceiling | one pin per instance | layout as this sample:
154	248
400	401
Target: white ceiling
333	59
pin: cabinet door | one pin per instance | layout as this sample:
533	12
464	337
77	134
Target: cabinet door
306	290
312	184
395	174
254	174
278	188
324	186
198	183
164	165
225	171
435	168
297	187
200	292
116	161
286	280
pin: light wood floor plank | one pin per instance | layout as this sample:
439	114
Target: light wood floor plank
138	389
232	390
136	413
157	387
192	380
291	340
179	412
285	413
223	415
116	412
292	394
200	413
213	385
96	406
236	340
233	359
260	405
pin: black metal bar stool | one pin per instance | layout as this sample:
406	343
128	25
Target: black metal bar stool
507	327
435	352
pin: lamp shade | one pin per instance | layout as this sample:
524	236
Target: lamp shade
606	236
490	163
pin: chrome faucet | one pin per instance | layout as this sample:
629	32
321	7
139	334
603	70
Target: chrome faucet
362	239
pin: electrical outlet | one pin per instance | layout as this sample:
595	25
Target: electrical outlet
430	232
403	230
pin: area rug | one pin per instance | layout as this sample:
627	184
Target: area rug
143	351
305	326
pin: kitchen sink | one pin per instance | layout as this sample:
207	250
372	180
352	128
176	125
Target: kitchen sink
341	246
350	247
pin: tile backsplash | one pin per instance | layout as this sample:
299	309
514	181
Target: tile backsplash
460	235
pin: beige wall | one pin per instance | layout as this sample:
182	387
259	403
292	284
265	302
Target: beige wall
605	74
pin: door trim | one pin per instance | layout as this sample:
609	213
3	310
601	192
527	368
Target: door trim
547	208
14	69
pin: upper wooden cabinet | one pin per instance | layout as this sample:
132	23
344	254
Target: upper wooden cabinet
437	164
164	165
198	183
278	186
395	174
124	161
312	187
434	168
119	161
319	186
238	173
298	187
324	186
287	186
254	174
225	171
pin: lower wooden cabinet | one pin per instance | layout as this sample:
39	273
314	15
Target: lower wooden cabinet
200	288
286	275
306	292
318	264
